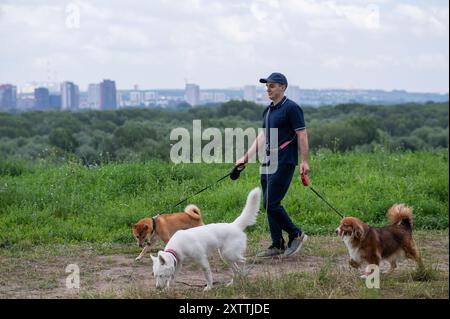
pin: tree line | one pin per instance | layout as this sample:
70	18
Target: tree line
143	134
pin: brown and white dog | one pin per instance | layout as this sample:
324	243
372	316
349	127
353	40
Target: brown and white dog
373	244
164	226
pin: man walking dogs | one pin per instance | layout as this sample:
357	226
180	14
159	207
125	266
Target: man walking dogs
286	118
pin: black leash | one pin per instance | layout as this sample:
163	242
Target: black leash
321	197
305	181
234	174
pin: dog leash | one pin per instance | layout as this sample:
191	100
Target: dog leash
305	181
233	174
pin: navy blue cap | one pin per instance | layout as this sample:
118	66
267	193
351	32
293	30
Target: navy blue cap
275	78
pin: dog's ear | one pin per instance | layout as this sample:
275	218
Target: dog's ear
145	227
358	232
153	258
161	259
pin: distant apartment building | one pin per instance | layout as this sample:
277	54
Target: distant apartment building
108	95
119	98
41	98
150	96
136	98
94	96
25	101
192	94
261	96
70	96
220	97
250	93
55	101
213	97
294	93
8	96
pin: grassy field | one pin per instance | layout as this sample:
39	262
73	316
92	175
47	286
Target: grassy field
70	203
52	215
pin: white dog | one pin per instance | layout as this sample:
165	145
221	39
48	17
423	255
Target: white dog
199	242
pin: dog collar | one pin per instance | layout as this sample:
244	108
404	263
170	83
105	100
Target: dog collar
173	253
154	229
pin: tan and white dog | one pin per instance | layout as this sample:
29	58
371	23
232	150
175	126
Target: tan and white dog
164	226
374	244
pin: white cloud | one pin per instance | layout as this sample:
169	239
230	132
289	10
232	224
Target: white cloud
367	16
431	61
343	63
425	21
263	10
202	39
235	30
416	62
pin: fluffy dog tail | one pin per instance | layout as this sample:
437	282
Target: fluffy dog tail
250	211
193	211
400	214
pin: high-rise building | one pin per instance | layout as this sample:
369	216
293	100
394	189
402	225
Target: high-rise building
293	92
55	101
94	96
108	95
192	94
250	93
41	98
70	96
8	96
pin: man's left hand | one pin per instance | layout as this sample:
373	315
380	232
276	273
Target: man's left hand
304	168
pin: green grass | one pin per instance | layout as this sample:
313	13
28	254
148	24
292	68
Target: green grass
50	204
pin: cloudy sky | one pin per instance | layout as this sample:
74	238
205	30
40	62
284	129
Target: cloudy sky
373	44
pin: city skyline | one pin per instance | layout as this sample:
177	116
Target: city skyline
28	87
380	44
104	95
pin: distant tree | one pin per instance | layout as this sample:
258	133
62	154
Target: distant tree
103	125
236	108
183	106
88	155
68	121
131	133
62	138
412	143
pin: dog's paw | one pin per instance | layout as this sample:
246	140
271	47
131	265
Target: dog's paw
207	288
138	258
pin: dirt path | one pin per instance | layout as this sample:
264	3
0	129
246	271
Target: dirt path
42	275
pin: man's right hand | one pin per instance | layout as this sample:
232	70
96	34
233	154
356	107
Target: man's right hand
242	160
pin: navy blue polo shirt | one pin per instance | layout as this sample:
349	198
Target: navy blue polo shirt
287	116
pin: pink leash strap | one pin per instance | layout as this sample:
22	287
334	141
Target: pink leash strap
282	146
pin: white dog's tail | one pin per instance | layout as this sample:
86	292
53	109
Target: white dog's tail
251	209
